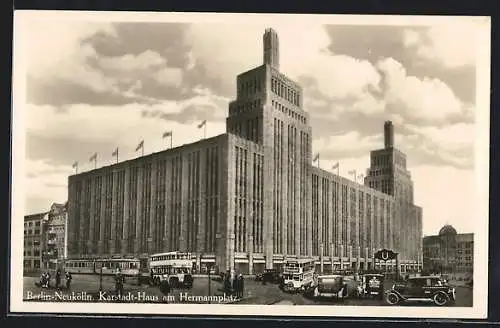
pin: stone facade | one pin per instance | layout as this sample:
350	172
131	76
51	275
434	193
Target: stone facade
449	252
45	238
242	200
34	240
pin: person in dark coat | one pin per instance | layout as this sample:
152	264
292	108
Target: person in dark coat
69	277
241	286
119	281
236	286
165	287
151	278
227	283
58	278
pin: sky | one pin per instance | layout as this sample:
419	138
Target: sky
94	86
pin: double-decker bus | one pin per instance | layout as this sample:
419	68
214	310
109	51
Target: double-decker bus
174	267
298	274
106	266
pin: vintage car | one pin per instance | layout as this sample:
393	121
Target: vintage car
426	288
371	286
269	275
332	286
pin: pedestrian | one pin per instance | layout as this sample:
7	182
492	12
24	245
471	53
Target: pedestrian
227	284
151	278
119	280
165	288
43	280
48	279
58	278
68	280
241	286
236	286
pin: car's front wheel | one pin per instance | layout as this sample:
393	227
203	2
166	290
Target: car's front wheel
392	298
440	299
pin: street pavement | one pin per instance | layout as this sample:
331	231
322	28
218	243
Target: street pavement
255	293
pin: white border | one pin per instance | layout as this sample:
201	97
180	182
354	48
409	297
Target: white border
479	309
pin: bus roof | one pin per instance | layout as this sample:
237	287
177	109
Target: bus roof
301	260
169	253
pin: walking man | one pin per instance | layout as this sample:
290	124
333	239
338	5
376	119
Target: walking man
58	278
68	280
241	286
119	280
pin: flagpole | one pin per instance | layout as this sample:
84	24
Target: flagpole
171	133
205	130
117	155
142	149
95	161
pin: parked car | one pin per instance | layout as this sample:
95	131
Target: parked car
332	286
269	275
427	288
371	286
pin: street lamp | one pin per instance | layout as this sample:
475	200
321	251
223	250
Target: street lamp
100	279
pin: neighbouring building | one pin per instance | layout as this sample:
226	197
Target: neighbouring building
248	198
56	247
33	241
45	238
449	251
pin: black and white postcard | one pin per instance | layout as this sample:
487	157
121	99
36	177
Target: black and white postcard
250	164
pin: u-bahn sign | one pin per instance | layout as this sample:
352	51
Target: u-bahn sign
385	255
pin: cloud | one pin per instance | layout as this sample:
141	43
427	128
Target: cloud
223	51
144	61
341	146
82	129
169	77
420	99
373	43
451	45
47	184
59	54
450	145
448	196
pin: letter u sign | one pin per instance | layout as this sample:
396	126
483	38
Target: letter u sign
385	255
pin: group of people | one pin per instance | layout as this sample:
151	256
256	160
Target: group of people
45	279
235	285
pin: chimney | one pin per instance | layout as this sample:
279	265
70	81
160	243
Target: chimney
388	134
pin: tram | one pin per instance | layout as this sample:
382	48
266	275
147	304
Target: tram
106	266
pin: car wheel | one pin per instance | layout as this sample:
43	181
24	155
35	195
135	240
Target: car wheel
440	299
392	298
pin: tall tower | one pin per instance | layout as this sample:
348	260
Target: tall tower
271	48
268	111
388	135
389	174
